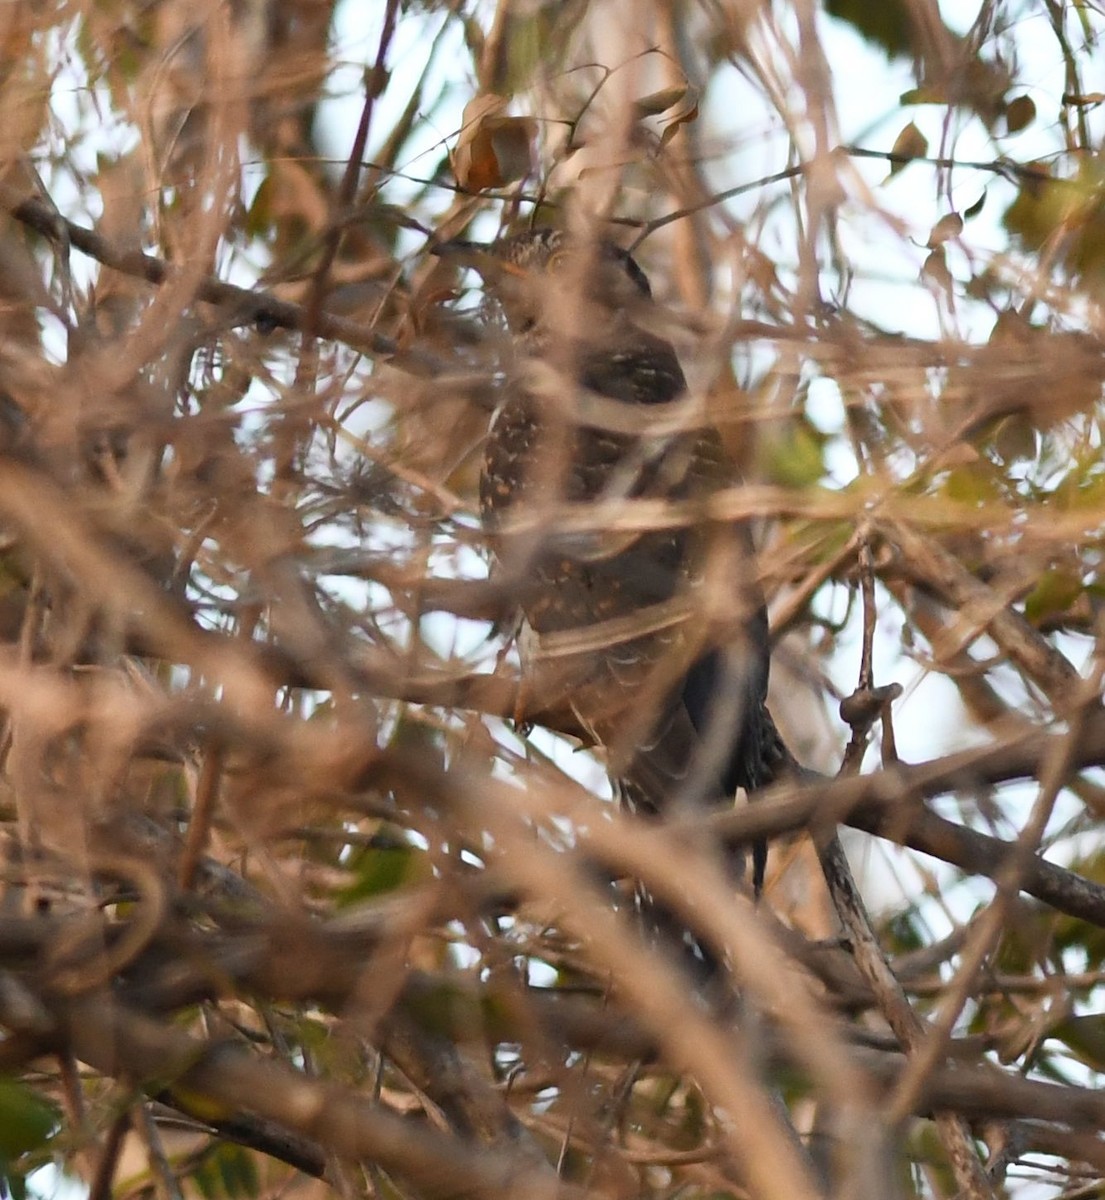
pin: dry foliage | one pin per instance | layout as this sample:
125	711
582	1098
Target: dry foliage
303	887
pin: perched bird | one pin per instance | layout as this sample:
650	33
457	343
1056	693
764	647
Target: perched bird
656	638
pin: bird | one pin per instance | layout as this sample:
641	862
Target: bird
614	617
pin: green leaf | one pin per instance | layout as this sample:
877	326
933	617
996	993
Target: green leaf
1085	1037
259	218
795	458
971	483
883	23
974	209
1073	208
535	38
228	1172
904	932
27	1120
451	1011
1056	591
380	869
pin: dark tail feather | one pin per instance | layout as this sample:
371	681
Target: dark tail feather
759	866
655	784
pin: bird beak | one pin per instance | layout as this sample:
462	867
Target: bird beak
478	256
457	248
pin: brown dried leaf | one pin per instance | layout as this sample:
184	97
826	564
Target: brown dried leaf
761	270
655	103
474	162
935	271
685	113
1083	99
909	144
1019	114
512	144
949	226
492	150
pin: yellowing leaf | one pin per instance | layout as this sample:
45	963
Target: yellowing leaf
970	484
1056	591
1071	208
795	458
929	93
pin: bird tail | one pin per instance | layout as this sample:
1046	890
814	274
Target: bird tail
655	784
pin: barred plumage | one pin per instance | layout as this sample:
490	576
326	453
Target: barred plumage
614	614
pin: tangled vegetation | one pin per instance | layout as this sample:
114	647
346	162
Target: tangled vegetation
303	886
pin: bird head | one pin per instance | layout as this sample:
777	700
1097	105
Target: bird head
544	279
